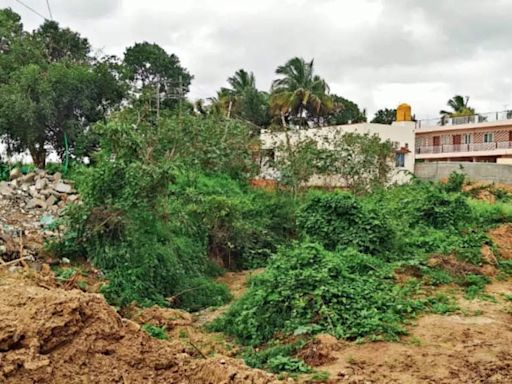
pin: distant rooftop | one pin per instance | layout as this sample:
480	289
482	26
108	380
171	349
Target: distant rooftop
487	117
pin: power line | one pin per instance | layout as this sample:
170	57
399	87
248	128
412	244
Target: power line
49	9
31	9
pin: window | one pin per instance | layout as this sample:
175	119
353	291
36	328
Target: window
446	140
399	160
488	138
467	138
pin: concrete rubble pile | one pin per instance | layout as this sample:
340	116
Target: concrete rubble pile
38	190
29	207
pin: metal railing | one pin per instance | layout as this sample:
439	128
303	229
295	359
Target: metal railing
451	148
487	117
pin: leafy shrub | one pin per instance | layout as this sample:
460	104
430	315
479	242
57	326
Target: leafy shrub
241	226
136	226
341	220
455	182
306	288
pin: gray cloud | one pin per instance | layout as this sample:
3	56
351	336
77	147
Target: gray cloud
376	52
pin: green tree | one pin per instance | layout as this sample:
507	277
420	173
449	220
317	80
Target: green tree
363	161
345	112
297	162
50	89
156	75
243	100
384	116
459	107
299	96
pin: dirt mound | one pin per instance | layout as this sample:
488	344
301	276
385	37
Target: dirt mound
319	351
502	237
57	336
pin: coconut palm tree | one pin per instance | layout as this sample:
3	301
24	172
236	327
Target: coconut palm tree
241	81
300	94
459	106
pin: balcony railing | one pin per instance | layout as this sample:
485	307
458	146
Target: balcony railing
487	117
451	148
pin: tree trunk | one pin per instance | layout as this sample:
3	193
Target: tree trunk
38	154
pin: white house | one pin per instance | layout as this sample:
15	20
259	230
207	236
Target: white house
401	133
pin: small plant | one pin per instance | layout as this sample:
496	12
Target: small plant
154	331
319	377
65	274
474	286
277	357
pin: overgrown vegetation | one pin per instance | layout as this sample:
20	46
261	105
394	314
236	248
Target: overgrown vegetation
164	201
344	282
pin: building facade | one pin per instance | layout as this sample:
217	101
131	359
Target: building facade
478	138
401	133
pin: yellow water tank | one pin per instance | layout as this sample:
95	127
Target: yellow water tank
403	113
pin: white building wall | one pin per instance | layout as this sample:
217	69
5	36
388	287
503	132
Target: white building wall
402	133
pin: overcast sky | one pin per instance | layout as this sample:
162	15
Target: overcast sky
378	53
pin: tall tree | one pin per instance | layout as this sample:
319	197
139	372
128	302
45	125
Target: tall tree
50	89
459	106
384	116
243	100
299	95
156	75
345	112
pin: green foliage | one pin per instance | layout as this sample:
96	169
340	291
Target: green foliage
345	112
306	289
155	209
4	171
298	95
156	76
64	274
384	116
475	285
277	357
455	182
362	161
440	304
52	92
156	332
340	220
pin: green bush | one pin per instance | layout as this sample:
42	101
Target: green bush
341	220
136	219
455	182
307	289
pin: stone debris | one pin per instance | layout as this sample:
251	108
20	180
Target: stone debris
38	190
29	207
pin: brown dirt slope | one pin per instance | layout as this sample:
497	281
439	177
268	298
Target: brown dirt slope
57	336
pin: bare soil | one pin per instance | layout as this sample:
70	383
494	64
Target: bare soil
51	335
472	346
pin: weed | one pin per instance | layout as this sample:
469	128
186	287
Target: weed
474	286
319	377
277	358
156	332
